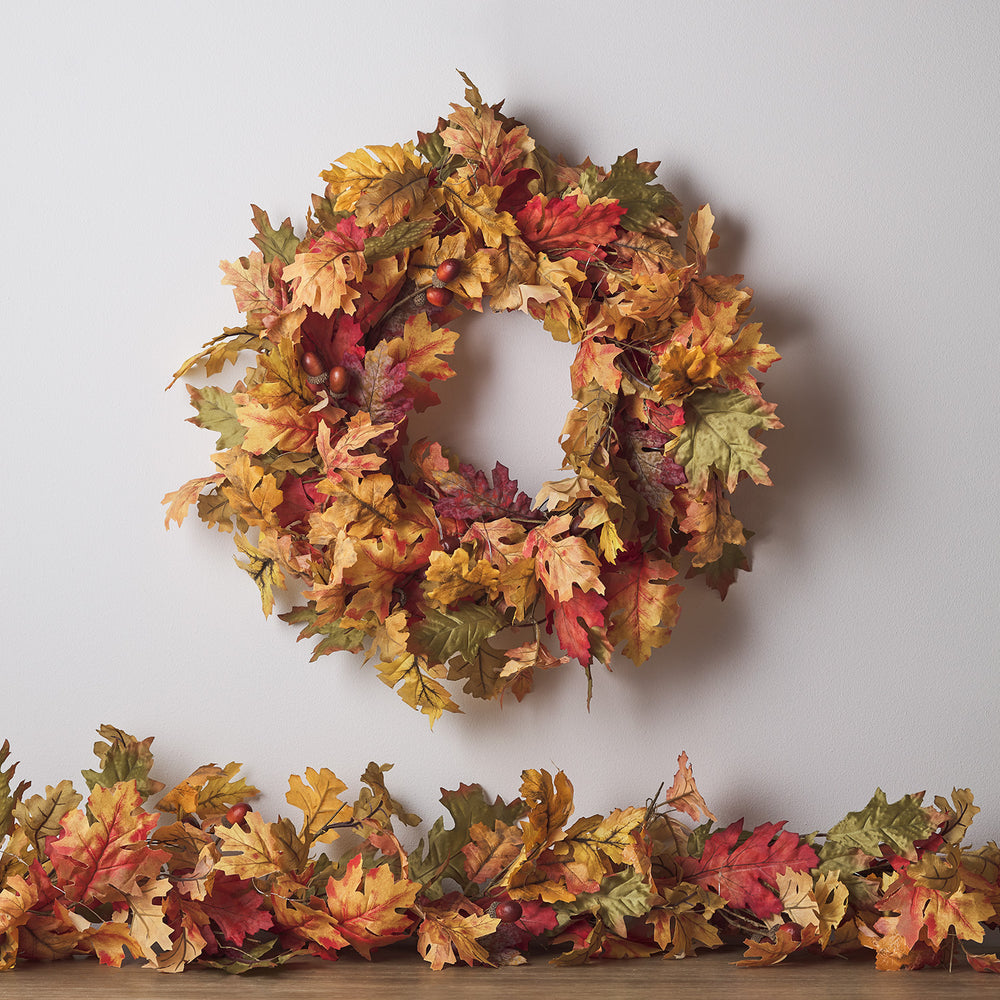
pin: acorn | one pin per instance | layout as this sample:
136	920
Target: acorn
448	270
337	379
439	297
311	364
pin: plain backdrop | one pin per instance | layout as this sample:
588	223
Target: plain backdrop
849	153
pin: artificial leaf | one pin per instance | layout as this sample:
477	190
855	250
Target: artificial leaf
450	930
124	758
260	850
217	412
630	183
681	923
642	608
563	563
717	437
369	907
280	243
263	568
444	634
322	276
39	817
683	794
565	225
621	895
744	873
96	860
317	798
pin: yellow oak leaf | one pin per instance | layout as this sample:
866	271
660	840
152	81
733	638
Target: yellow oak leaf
262	567
317	798
490	852
561	563
364	167
710	522
700	237
286	426
181	499
252	492
397	195
514	265
684	369
337	456
681	924
831	904
476	209
322	276
364	505
450	930
642	607
550	804
518	672
262	849
455	576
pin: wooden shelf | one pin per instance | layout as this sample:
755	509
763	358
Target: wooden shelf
401	974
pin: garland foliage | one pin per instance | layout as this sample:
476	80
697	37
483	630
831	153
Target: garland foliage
208	880
440	571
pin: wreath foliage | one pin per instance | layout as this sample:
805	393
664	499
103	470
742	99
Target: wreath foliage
443	572
208	880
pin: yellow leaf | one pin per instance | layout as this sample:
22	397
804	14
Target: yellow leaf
319	803
262	849
262	567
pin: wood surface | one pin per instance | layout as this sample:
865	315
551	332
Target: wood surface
401	974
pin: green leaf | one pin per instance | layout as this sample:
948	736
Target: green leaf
721	574
717	436
433	150
123	759
620	896
265	952
442	856
896	824
444	634
39	816
281	243
630	183
334	637
9	797
397	238
217	412
326	215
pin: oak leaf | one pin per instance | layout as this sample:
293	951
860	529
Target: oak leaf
364	167
262	849
681	923
322	276
642	608
450	930
317	798
563	563
631	184
710	523
569	226
397	195
275	244
262	567
39	816
683	794
181	499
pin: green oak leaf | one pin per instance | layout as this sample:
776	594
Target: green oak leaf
333	636
623	895
402	236
717	436
39	816
124	758
630	183
9	797
281	243
896	824
721	574
441	857
217	412
458	632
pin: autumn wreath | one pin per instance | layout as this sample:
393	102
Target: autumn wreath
411	553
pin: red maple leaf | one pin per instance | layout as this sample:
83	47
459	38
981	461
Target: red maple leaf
563	224
744	873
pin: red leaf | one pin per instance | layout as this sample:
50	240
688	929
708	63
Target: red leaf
573	618
563	224
744	874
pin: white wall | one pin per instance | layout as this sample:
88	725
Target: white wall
850	156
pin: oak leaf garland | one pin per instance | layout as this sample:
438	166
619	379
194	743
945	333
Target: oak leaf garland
323	492
499	882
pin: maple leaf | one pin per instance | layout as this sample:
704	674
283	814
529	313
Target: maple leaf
770	952
642	609
317	798
569	226
287	426
931	915
337	456
716	435
563	563
744	874
369	906
896	824
280	243
681	924
321	276
630	183
236	907
217	412
450	930
95	860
